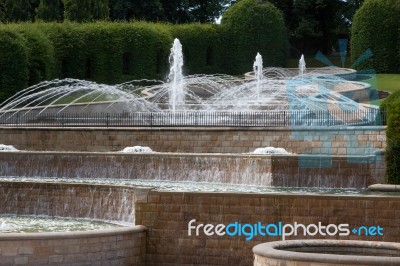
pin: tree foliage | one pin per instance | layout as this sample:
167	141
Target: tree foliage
376	26
252	26
50	10
392	107
85	10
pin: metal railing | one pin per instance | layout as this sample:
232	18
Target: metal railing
197	119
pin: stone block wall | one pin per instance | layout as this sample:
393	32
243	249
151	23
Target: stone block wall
317	140
106	248
166	214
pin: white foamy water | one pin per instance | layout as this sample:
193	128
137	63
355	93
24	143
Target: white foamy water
7	148
136	149
39	224
270	150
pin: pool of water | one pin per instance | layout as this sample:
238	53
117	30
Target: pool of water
162	185
41	224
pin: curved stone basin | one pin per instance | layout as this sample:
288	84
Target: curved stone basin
326	252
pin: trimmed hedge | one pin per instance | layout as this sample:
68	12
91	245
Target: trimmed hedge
112	53
40	53
252	26
14	61
201	44
392	107
376	26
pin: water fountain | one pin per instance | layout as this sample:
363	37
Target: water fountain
258	68
177	85
162	190
273	89
302	66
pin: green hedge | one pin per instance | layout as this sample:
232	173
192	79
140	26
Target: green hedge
392	107
118	52
14	61
40	53
252	26
201	46
376	26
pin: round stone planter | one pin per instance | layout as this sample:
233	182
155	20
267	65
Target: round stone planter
326	252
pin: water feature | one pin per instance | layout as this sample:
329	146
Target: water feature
270	150
136	149
7	148
175	77
37	224
273	89
302	66
258	71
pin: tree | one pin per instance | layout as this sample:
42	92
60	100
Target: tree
316	24
16	10
253	26
376	26
85	10
125	10
100	9
49	10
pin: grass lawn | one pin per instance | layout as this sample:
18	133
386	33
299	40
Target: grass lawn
388	82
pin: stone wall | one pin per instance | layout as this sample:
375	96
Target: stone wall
166	215
117	246
330	140
109	247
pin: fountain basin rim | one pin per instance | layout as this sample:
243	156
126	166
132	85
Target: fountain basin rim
178	128
384	188
180	154
276	250
74	234
147	190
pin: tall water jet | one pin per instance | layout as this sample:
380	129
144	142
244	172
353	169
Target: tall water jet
176	91
302	65
258	69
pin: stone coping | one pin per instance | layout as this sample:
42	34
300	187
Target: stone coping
384	188
144	191
73	235
291	128
276	250
155	192
180	154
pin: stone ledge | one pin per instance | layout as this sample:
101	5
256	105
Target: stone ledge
384	188
277	250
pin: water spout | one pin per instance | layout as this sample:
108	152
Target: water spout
302	65
175	77
258	69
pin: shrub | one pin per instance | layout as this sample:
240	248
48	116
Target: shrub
392	107
376	26
40	53
252	26
201	47
13	63
70	48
